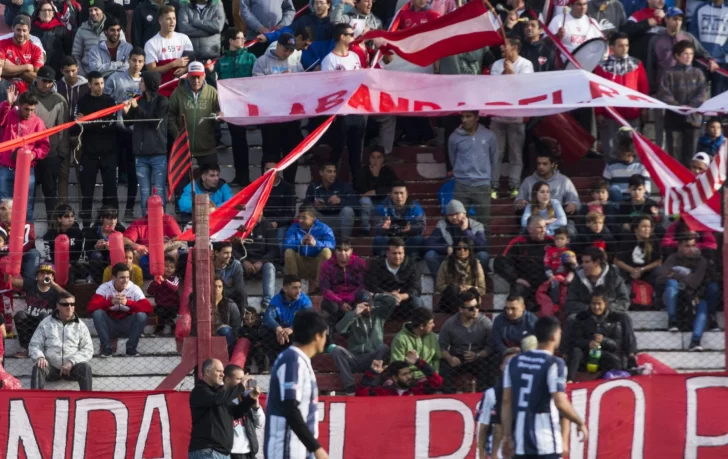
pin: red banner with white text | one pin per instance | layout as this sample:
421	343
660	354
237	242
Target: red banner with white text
666	417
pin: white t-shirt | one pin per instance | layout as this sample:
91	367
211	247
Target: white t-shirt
164	50
522	65
335	62
577	31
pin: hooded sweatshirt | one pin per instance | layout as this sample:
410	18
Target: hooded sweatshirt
198	110
12	127
321	232
340	285
99	58
562	188
579	293
73	93
52	108
121	87
473	157
150	137
270	64
709	26
366	333
359	22
88	36
427	347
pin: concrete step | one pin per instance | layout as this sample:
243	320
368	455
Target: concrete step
649	341
114	383
113	366
692	361
148	345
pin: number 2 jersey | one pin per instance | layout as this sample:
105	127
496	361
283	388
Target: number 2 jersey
533	377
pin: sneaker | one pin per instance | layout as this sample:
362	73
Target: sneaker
106	354
713	324
132	353
514	192
672	327
129	215
695	347
493	194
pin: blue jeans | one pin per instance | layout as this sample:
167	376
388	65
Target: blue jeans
29	263
151	172
413	245
7	185
342	223
367	207
434	260
615	194
281	236
206	454
268	275
229	334
107	328
671	296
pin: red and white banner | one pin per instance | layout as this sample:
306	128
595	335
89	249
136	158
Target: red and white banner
369	91
466	29
665	417
702	189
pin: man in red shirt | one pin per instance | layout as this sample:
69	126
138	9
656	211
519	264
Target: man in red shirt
22	58
419	13
137	236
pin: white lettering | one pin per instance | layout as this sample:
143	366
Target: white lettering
60	429
638	434
693	441
121	419
422	426
155	403
21	430
578	401
337	430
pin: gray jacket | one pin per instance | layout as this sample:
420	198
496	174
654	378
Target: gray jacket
270	64
266	13
121	86
561	186
469	63
99	58
473	157
52	108
455	338
474	226
58	342
340	16
203	27
88	36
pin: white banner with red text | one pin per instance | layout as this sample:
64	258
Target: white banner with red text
667	417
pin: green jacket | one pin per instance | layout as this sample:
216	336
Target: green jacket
235	64
197	110
427	347
366	333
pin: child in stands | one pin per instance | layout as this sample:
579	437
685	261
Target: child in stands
600	202
136	272
637	206
713	138
618	172
560	264
596	234
166	296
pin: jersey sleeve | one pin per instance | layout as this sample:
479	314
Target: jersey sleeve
37	57
291	376
150	53
556	377
187	46
507	375
486	407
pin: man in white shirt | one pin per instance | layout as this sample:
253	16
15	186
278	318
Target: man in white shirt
245	436
509	129
164	52
576	28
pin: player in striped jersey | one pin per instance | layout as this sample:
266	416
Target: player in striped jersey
534	393
489	413
292	426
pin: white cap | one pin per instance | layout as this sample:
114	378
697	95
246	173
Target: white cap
703	158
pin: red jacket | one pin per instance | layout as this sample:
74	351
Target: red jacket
138	231
433	381
28	237
552	258
135	300
628	72
12	127
166	293
410	18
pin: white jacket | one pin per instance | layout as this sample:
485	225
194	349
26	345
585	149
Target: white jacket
58	342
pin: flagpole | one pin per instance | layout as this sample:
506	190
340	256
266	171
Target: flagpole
494	12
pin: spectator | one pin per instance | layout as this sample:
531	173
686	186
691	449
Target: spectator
401	217
17	123
22	58
396	274
53	34
281	206
619	172
600	202
96	237
711	141
147	21
595	272
455	227
279	315
374	184
14	10
166	297
417	335
137	236
460	272
513	325
264	17
705	240
91	33
543	205
99	148
595	234
258	253
73	87
195	103
522	260
230	272
64	222
209	183
167	51
41	293
597	328
640	252
473	151
465	343
334	201
61	347
245	429
225	314
213	411
137	277
52	109
609	16
203	21
308	244
112	54
119	308
537	50
317	21
364	326
342	13
640	26
708	26
637	206
684	280
149	138
683	85
31	256
509	131
237	62
700	163
576	28
341	277
255	331
620	68
303	38
556	266
279	139
561	187
403	381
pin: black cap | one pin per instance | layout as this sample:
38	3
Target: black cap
47	73
362	296
21	19
287	40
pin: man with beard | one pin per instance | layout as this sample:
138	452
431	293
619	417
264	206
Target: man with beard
399	372
540	52
111	54
22	59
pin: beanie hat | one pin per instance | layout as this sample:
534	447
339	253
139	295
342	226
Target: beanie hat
455	207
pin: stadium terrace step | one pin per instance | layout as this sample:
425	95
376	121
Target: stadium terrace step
692	361
114	383
114	366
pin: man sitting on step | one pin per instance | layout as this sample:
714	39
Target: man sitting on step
399	216
209	183
334	201
397	274
308	244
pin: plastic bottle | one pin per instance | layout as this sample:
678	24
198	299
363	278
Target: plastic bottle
592	362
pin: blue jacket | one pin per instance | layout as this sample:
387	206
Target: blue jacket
445	195
412	213
280	314
710	27
323	235
312	56
322	28
341	189
219	195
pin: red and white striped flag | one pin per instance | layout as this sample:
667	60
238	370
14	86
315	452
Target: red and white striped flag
690	196
465	29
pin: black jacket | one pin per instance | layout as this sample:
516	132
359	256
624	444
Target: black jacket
587	325
150	137
56	42
382	184
523	259
213	413
578	296
92	234
378	279
76	238
264	245
98	140
281	205
145	21
541	54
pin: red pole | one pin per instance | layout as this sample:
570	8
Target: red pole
23	159
725	271
202	286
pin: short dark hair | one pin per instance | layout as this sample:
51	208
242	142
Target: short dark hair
128	248
209	167
714	120
232	368
68	61
515	42
378	148
399	184
305	33
681	46
687	236
307	210
289	279
466	297
326	164
64	295
561	231
107	211
636	180
420	316
137	51
343	242
395	242
395	367
339	30
119	268
614	36
27	98
515	296
219	245
231	33
169	259
94	75
595	253
111	22
546	154
308	323
599	292
600	185
545	328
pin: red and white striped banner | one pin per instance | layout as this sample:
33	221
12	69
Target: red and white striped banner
701	190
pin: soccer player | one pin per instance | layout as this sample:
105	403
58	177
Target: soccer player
293	396
490	432
534	394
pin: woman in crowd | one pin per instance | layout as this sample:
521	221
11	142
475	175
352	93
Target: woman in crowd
64	223
53	34
225	315
460	271
640	253
542	204
96	243
373	183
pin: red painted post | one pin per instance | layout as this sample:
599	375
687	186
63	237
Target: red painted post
20	208
203	276
725	274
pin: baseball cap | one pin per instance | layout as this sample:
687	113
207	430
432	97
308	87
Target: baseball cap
196	69
287	40
21	19
674	11
47	268
703	158
362	296
46	73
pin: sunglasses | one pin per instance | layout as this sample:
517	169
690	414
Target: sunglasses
348	34
462	248
470	308
67	304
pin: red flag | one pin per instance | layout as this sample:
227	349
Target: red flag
465	29
180	161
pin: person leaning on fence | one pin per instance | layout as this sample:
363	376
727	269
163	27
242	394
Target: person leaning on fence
402	379
119	308
278	318
308	244
61	347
